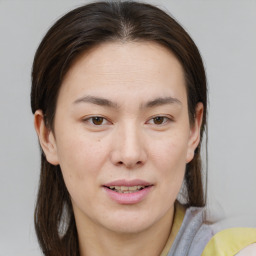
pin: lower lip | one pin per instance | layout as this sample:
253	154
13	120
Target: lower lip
128	198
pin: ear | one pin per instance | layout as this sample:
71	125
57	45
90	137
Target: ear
46	138
194	137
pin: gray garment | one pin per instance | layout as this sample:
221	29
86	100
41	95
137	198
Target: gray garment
193	235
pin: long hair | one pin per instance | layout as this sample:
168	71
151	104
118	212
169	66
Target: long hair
74	33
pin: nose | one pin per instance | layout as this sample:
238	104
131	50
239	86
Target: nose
128	147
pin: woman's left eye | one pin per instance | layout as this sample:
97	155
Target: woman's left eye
159	120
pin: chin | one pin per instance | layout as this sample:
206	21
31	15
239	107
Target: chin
131	222
129	227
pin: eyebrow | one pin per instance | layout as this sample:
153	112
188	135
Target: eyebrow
107	103
97	101
161	101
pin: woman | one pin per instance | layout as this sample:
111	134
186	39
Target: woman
120	101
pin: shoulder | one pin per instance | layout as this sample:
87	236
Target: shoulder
193	235
232	241
197	236
249	250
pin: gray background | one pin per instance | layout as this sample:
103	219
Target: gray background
225	32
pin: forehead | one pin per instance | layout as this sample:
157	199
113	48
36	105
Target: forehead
121	68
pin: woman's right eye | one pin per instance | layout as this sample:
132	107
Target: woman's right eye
96	120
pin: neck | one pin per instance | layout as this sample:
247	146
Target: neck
95	240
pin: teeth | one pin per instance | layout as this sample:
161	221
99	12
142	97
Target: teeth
124	189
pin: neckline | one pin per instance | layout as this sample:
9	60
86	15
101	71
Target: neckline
179	213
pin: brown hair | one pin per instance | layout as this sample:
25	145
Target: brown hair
79	31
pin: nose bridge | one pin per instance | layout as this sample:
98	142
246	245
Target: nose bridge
129	150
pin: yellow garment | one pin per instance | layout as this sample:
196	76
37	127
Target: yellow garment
177	221
229	242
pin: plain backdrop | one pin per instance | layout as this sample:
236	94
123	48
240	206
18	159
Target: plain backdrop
225	32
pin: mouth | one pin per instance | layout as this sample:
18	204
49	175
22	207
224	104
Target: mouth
127	189
128	192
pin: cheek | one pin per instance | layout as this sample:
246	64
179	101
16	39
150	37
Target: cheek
171	169
81	163
170	153
80	158
170	162
169	159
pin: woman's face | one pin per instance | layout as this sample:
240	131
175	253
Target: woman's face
122	135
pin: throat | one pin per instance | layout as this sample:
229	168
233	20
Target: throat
95	240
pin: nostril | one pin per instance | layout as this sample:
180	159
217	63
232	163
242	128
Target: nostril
129	165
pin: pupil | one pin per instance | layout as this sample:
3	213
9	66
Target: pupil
158	120
97	120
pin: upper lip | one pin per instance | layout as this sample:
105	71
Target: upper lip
128	183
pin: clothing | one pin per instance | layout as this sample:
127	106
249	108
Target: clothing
191	235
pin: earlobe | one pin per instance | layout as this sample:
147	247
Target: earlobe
46	138
194	138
